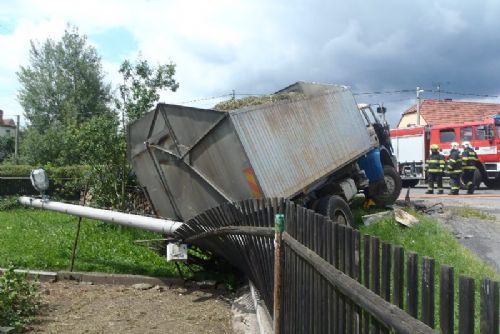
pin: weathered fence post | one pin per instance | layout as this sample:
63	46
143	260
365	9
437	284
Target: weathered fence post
279	225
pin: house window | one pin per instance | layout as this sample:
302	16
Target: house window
7	131
466	133
447	135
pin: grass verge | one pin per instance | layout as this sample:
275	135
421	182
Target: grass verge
36	239
431	239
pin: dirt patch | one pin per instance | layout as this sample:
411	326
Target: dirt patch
71	307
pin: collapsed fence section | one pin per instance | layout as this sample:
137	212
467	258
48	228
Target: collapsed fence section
335	280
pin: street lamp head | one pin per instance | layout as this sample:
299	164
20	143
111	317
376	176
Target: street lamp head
40	180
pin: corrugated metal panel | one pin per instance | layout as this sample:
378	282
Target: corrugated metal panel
292	144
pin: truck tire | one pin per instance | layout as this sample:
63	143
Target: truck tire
394	185
409	183
477	179
336	208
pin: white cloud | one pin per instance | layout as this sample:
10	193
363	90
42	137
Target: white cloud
260	46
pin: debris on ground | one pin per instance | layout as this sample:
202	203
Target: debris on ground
404	218
376	217
142	286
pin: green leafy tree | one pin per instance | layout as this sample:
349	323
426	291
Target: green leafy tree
64	82
7	144
140	91
142	84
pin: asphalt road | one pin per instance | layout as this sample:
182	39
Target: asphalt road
482	236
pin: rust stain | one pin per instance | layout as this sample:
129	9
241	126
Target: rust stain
252	182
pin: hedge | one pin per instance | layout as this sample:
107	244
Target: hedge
66	182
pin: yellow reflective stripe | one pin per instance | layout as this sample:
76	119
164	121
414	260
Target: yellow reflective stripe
470	167
452	160
432	161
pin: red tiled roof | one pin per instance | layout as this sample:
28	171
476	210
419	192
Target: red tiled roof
439	112
7	122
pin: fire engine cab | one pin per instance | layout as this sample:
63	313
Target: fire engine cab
411	147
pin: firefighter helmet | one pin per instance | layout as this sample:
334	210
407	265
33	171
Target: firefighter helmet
455	145
466	144
434	147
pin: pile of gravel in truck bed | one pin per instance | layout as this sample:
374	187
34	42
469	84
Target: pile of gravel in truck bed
234	104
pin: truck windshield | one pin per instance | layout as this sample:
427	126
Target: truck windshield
497	125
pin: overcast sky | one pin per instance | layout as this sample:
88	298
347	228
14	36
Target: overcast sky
260	46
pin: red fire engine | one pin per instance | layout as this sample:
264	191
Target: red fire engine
411	147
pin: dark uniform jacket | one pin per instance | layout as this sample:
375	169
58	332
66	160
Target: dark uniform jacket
454	162
435	164
469	158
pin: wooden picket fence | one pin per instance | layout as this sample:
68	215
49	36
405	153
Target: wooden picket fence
332	279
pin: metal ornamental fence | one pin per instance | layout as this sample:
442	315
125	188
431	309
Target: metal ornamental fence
332	279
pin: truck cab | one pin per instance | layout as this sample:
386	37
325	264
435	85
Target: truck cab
380	127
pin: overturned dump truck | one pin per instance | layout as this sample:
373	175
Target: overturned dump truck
304	148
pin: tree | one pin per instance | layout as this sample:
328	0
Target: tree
6	147
141	86
64	82
62	88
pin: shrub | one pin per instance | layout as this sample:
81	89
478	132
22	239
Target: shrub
19	299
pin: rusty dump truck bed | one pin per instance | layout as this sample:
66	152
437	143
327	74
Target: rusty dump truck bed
190	159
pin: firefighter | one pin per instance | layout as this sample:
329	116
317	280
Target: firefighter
454	168
435	169
469	159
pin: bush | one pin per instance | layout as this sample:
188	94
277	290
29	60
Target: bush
9	203
65	182
19	299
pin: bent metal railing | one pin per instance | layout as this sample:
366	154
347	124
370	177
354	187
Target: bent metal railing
332	279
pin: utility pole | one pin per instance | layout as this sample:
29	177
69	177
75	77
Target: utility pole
418	104
16	144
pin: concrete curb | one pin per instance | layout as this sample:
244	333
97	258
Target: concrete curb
105	278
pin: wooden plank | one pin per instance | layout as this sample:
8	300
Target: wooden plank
412	285
341	267
356	243
428	291
489	307
398	277
466	305
349	271
366	277
375	276
446	300
385	313
386	271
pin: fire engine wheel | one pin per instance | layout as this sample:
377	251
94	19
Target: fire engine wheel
394	185
336	208
477	179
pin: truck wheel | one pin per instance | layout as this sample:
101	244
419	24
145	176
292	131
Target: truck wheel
393	183
477	179
409	183
336	208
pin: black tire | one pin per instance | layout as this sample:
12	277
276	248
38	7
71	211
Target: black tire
477	179
409	183
336	208
394	185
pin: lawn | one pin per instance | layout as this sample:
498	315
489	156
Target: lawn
36	239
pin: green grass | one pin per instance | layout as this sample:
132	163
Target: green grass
431	239
37	239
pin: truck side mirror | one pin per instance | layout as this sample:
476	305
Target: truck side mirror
381	110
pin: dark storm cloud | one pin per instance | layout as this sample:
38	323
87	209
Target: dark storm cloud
381	46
